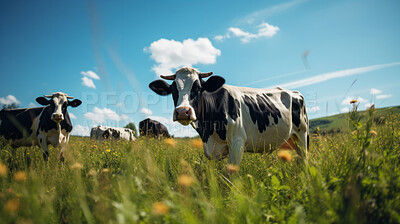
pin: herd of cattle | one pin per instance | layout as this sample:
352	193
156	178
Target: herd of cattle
229	119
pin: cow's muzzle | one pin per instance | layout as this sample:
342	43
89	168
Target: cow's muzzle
57	118
184	115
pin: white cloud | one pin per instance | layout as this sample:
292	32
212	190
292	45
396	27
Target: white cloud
88	82
171	54
72	116
264	30
345	110
375	91
101	115
10	99
334	75
383	96
146	111
313	109
90	74
350	98
32	104
80	130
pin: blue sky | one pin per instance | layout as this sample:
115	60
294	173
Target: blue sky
107	52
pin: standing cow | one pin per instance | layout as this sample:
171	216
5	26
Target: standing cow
153	128
103	133
245	119
40	126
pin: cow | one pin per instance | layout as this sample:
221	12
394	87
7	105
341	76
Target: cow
232	119
153	128
107	133
41	125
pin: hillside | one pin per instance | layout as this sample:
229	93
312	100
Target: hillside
339	121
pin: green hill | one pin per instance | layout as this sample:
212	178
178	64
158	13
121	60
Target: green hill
338	122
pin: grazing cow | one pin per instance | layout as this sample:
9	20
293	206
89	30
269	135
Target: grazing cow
231	119
153	128
40	126
102	133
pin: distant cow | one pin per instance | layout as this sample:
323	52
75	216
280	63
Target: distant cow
231	119
40	126
153	128
103	133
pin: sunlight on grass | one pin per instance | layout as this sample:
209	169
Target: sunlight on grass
350	177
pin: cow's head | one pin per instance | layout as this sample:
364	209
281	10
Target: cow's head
58	104
187	87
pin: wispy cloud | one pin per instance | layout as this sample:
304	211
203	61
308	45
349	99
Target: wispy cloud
146	111
267	12
10	99
383	96
264	30
375	91
90	74
88	82
71	115
334	75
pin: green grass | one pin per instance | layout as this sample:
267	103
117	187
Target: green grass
351	177
340	121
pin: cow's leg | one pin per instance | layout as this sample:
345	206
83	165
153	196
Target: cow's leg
44	146
302	148
236	150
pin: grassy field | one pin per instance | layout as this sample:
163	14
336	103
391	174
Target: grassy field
351	177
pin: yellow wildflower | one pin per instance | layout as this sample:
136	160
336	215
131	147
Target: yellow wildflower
285	155
170	141
20	176
232	168
160	208
185	180
197	143
12	205
353	101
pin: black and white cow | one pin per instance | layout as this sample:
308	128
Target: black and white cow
107	133
231	119
152	128
40	126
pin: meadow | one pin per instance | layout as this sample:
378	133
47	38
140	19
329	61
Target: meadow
349	177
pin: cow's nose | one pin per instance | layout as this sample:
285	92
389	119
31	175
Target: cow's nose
57	117
183	113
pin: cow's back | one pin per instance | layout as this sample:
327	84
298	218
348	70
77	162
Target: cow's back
18	124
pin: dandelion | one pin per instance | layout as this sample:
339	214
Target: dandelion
285	155
3	170
76	166
170	141
20	176
12	205
108	150
232	168
185	180
353	101
373	133
197	143
160	208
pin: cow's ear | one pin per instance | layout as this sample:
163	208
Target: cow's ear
43	101
74	103
213	83
160	87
